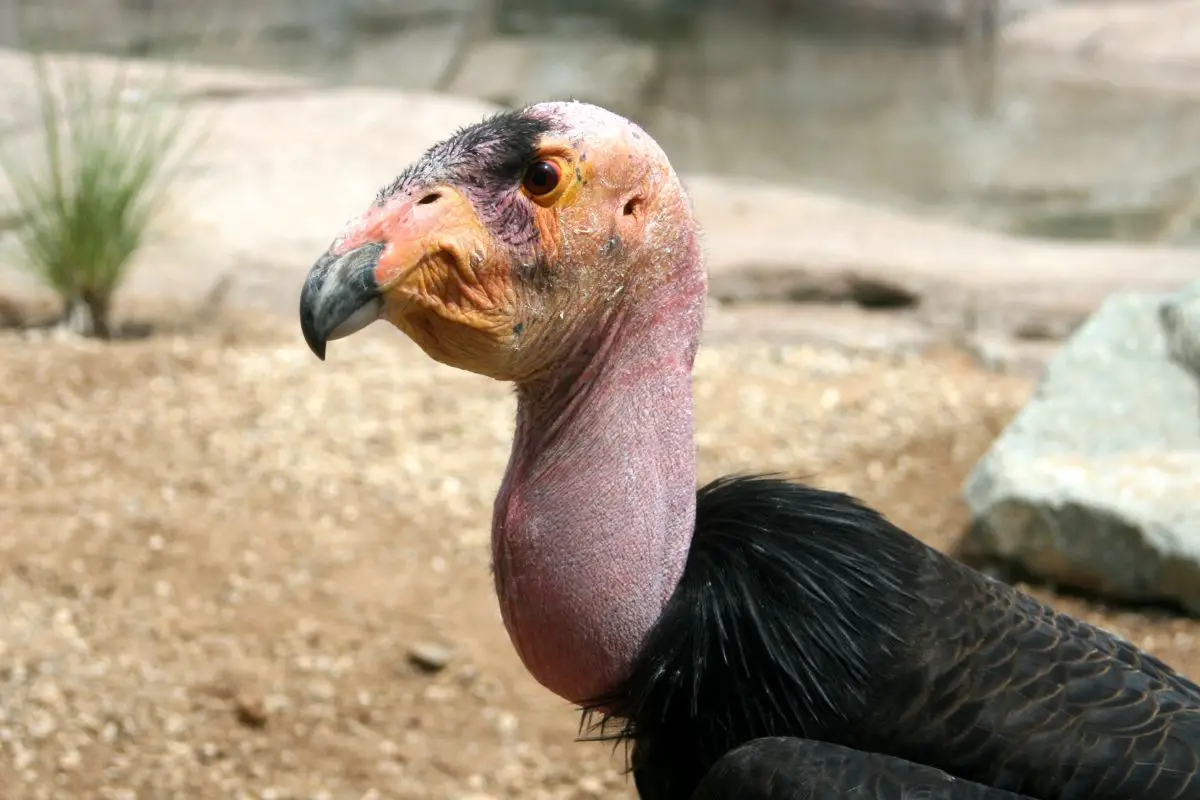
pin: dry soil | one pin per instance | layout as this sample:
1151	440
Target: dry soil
229	570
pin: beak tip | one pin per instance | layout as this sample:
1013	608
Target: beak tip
315	343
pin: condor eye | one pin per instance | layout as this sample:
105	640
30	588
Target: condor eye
541	178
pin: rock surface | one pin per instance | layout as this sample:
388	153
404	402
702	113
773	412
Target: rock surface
771	242
1096	483
1181	321
1162	33
1131	44
19	107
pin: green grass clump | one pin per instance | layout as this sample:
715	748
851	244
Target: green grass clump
106	154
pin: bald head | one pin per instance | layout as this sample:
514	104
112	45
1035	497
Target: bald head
503	246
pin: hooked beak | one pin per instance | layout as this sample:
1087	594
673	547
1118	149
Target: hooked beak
426	267
341	296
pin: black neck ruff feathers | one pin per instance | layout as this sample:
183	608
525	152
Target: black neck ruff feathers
783	583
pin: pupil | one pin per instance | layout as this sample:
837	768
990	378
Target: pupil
541	178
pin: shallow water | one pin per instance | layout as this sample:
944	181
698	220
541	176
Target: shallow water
903	122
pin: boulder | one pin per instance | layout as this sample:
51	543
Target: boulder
1096	484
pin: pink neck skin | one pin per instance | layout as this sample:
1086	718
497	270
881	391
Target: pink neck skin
594	518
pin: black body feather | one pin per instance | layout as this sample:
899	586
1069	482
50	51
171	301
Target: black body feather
781	768
804	614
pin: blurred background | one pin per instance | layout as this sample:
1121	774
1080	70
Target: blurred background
229	570
902	101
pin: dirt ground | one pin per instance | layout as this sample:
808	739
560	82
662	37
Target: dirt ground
228	570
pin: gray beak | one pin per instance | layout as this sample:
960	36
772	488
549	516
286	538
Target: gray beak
340	296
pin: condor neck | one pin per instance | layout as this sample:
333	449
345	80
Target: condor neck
594	518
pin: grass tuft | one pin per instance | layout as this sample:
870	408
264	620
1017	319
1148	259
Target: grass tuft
107	152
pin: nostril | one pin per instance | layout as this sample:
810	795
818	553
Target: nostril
432	197
631	205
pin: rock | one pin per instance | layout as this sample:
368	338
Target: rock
920	17
591	786
250	707
429	657
1181	321
416	58
1096	484
512	70
765	241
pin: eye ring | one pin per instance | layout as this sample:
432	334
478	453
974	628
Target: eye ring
541	177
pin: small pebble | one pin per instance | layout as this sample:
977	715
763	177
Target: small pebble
429	657
591	786
252	709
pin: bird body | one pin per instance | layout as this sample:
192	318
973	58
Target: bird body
758	638
804	614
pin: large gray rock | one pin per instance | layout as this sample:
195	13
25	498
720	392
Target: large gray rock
1096	484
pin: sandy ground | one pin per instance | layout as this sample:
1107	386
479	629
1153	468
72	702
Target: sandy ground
228	570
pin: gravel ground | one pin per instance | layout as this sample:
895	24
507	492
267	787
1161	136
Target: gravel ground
231	571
